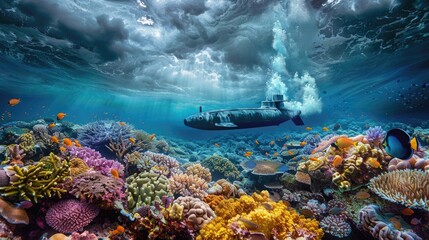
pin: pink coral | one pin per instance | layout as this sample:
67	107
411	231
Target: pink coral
83	236
95	160
188	185
165	165
195	211
413	163
324	144
70	215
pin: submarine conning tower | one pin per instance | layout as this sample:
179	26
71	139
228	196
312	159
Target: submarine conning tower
276	102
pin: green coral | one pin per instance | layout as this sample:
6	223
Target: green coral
221	166
27	142
145	188
38	180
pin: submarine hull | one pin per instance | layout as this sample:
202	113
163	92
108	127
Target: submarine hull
238	118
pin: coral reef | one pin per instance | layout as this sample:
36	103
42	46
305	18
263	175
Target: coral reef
336	226
97	188
98	134
414	162
374	223
264	168
145	188
16	155
188	185
221	167
37	181
375	134
95	161
406	187
195	211
27	142
70	215
164	164
262	216
200	171
78	166
213	200
224	188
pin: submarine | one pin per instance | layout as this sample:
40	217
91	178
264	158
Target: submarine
271	112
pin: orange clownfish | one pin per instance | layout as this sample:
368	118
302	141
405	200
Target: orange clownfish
51	125
68	142
132	140
54	139
61	115
13	101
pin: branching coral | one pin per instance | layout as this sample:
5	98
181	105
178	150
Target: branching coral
336	226
94	160
97	188
372	221
27	142
188	185
16	155
164	164
145	188
407	187
143	163
195	211
70	215
221	167
37	181
258	213
200	171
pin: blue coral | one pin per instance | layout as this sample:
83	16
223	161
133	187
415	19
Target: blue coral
375	134
97	135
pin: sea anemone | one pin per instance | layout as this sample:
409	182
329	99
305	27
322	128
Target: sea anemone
375	134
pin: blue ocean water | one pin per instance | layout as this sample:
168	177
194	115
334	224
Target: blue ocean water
151	64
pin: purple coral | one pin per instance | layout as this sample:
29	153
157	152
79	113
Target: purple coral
67	216
375	134
165	165
96	161
336	226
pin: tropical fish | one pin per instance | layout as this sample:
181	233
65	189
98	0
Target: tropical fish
314	159
399	144
257	142
68	142
216	145
122	124
248	154
119	230
152	136
307	213
132	140
275	154
267	206
373	162
61	115
266	154
114	173
325	129
336	126
51	125
308	128
54	139
250	225
13	101
396	223
343	143
338	160
302	144
407	211
272	143
62	149
361	195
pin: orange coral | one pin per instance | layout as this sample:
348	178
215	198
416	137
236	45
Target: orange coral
213	200
77	166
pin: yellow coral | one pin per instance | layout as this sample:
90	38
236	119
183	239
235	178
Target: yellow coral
276	219
77	166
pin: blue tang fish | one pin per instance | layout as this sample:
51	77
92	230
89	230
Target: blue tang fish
399	144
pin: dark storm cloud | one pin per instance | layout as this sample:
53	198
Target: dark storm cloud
99	34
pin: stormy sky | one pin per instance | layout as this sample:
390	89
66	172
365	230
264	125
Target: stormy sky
208	49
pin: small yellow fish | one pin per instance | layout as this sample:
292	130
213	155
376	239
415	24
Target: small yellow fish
61	115
272	143
308	128
275	154
338	160
325	129
314	159
216	145
373	162
152	136
132	140
302	144
51	125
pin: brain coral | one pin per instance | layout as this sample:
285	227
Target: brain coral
144	188
258	213
407	187
195	211
221	167
70	215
